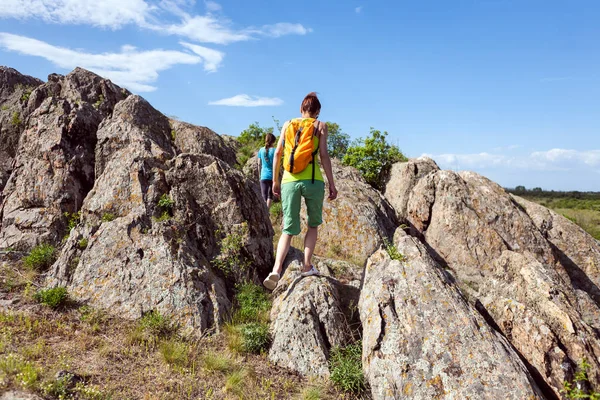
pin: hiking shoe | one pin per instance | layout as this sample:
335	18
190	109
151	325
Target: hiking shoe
312	271
271	281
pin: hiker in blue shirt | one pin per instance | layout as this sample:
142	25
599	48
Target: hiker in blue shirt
265	166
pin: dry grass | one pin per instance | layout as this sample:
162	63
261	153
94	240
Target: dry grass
589	220
36	342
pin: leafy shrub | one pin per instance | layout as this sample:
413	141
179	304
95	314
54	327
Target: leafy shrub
53	297
577	388
345	365
373	157
393	251
337	141
231	260
40	257
255	337
251	139
253	304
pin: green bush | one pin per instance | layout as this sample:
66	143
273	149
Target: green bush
231	259
53	298
345	365
40	257
255	337
576	388
337	141
276	210
373	157
253	304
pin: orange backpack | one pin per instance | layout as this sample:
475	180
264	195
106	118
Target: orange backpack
298	145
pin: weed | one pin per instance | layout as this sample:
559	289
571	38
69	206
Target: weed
336	249
173	134
34	351
53	297
26	93
276	211
151	328
231	261
236	381
255	337
4	108
98	103
312	393
393	251
233	337
345	365
165	205
175	352
22	372
83	243
60	387
72	219
86	392
217	362
16	119
108	217
577	389
253	304
40	257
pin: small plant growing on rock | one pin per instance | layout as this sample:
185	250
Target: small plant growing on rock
40	257
173	134
16	119
108	217
53	298
578	389
26	93
83	243
393	251
345	365
98	103
165	206
72	219
231	261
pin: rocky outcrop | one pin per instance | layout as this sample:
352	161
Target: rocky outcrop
357	222
151	225
422	340
308	319
53	167
15	90
201	140
508	267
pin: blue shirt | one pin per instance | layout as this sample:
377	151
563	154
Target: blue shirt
266	161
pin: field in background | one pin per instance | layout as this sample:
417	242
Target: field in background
583	208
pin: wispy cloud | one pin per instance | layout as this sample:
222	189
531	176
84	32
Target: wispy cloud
549	160
358	10
165	16
212	58
131	68
243	100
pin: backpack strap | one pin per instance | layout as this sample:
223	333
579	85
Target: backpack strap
314	153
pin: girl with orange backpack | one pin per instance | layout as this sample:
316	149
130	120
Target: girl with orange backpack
302	142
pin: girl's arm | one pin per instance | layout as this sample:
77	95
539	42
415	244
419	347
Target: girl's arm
326	161
277	162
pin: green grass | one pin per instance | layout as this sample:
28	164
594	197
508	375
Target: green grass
53	297
588	220
40	257
312	393
175	352
252	304
276	210
236	381
14	368
345	366
16	119
231	260
255	337
218	362
72	219
151	329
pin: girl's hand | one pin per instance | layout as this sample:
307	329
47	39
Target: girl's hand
332	192
276	189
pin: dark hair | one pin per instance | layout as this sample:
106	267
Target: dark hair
311	104
269	140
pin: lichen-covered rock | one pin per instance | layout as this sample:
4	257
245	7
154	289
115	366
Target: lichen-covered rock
15	90
251	169
422	340
308	319
357	222
53	168
474	228
201	140
151	225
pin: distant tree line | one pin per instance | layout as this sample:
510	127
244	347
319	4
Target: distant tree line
539	192
373	156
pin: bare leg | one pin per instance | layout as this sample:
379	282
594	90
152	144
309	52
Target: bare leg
310	241
282	249
269	202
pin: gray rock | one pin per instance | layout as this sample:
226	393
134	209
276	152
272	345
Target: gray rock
308	319
201	140
18	395
500	258
422	340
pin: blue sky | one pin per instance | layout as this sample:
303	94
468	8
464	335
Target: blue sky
510	89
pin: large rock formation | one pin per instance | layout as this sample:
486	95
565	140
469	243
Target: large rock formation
308	319
15	90
510	268
201	140
422	340
54	164
152	223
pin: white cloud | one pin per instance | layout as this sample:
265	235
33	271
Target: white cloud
358	10
550	160
103	13
212	6
165	16
212	58
131	68
243	100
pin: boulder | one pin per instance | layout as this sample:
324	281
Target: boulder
151	226
422	340
308	319
496	252
201	140
53	167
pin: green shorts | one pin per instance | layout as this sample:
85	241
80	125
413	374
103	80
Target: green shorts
291	194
